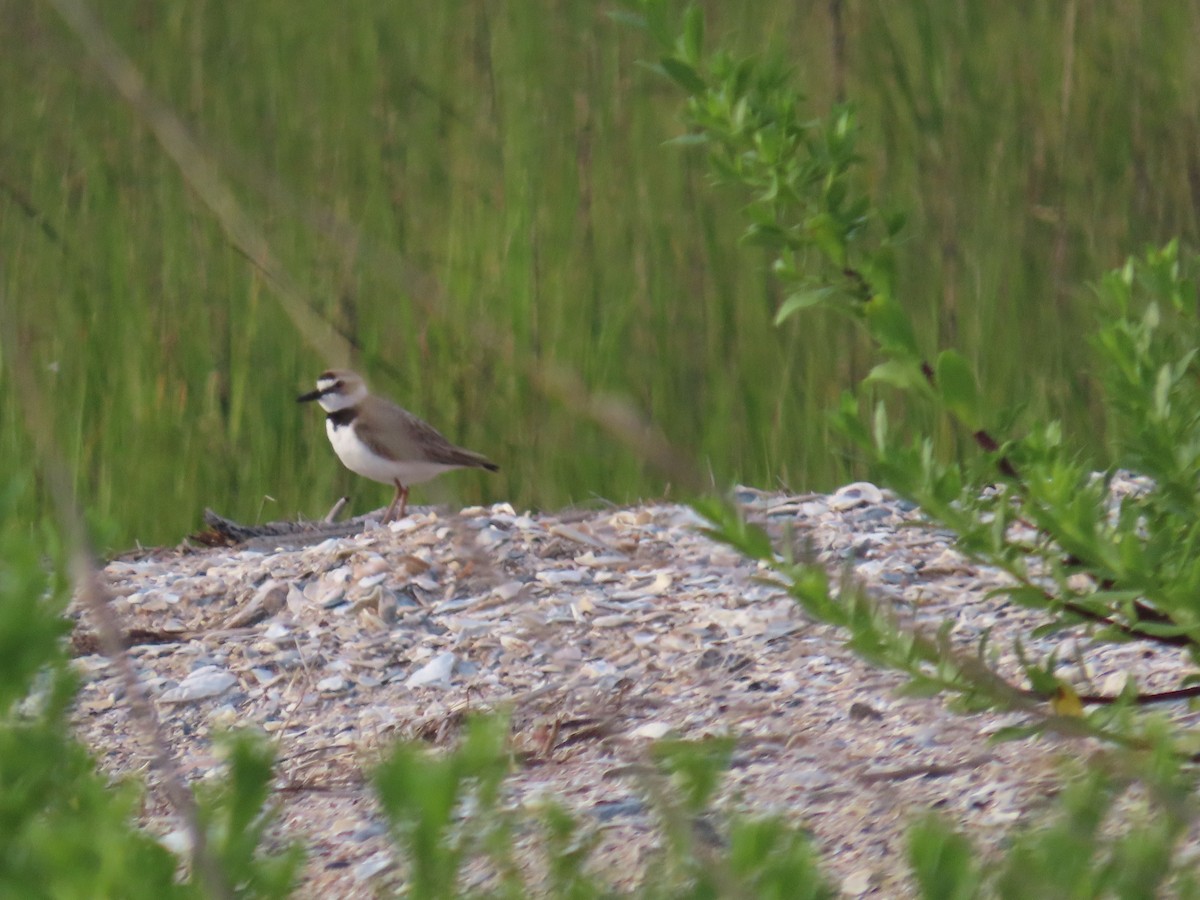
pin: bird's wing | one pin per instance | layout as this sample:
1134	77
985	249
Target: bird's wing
416	439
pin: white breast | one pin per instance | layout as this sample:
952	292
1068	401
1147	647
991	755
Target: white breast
358	459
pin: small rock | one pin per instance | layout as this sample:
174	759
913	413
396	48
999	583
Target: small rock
875	515
652	730
491	536
858	883
861	493
207	681
373	865
510	590
178	841
334	684
371	580
435	673
224	716
616	620
861	711
267	600
297	603
607	810
561	576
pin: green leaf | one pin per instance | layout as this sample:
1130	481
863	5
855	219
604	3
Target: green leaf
697	765
1161	629
683	75
903	374
764	234
729	527
919	687
890	325
847	421
1016	732
1032	597
828	237
688	140
1049	628
879	425
956	384
943	861
1162	392
804	299
692	40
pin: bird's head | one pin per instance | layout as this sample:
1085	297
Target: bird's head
337	389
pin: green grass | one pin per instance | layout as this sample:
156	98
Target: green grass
477	194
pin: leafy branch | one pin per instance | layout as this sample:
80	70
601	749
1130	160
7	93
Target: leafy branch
1113	558
1118	567
832	248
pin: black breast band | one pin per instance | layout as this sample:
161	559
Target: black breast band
340	417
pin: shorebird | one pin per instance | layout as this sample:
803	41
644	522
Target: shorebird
377	439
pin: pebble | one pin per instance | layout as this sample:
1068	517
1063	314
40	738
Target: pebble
269	599
491	536
860	493
333	684
373	865
652	730
207	681
435	673
556	577
608	810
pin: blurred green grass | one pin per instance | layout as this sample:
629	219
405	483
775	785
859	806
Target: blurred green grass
477	193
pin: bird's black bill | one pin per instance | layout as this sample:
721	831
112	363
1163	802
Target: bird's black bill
311	395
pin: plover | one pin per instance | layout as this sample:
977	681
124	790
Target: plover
375	438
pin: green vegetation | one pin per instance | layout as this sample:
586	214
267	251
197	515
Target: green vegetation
424	799
66	830
1109	567
477	195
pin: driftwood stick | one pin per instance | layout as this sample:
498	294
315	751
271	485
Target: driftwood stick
269	535
336	510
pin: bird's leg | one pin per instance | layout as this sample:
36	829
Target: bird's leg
400	498
387	516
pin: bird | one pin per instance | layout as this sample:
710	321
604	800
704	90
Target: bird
377	439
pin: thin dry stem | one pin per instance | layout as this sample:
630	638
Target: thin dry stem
96	597
200	172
